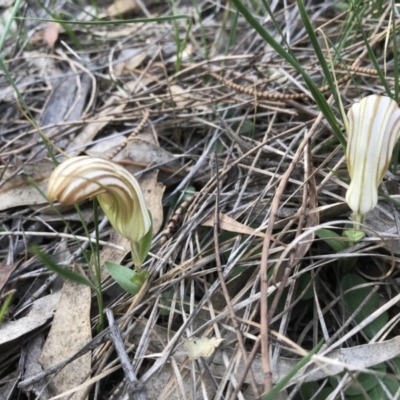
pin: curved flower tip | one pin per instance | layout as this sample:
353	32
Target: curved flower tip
118	193
374	125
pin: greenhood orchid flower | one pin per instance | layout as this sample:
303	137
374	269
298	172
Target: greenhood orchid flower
118	193
373	130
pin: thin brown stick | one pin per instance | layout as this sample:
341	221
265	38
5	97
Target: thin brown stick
265	255
225	289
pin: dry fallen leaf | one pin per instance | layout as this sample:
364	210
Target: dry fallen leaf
106	148
41	311
229	224
121	7
139	154
202	347
33	367
69	332
132	58
113	106
18	191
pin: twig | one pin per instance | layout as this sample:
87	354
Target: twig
223	284
136	389
265	256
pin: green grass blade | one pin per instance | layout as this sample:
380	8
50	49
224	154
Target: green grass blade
233	32
49	263
317	95
371	54
275	23
10	20
317	48
5	306
395	159
395	55
286	379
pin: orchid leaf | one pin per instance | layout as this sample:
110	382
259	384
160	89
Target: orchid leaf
353	298
354	235
130	280
332	239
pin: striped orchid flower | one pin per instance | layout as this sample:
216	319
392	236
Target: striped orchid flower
373	130
118	193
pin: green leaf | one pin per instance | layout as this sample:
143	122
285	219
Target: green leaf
362	382
145	242
354	235
318	51
341	6
139	278
130	280
359	18
324	393
366	382
141	248
395	54
354	298
332	239
309	389
302	283
377	392
375	326
281	306
286	379
66	273
396	362
4	306
391	384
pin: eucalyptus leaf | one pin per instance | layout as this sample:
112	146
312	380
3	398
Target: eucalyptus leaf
130	280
